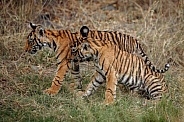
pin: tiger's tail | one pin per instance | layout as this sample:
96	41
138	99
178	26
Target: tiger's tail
151	66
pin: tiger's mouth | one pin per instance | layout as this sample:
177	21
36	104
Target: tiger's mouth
34	49
87	57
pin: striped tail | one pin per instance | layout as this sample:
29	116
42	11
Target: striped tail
167	66
148	62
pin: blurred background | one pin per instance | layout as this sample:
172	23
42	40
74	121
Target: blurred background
157	24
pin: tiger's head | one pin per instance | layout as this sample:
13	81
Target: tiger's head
35	40
86	52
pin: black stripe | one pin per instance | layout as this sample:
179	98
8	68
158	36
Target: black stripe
139	68
155	88
108	37
121	79
59	53
49	44
118	38
75	73
69	34
58	82
152	83
132	63
126	62
113	37
101	74
124	42
105	35
92	34
54	45
53	34
120	67
36	41
127	81
73	37
108	70
94	84
99	34
103	63
138	45
65	33
96	53
109	90
55	83
122	60
118	53
133	87
98	81
57	77
116	68
61	61
147	76
159	90
143	54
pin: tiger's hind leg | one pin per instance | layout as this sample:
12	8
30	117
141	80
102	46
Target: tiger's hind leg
110	93
155	87
58	79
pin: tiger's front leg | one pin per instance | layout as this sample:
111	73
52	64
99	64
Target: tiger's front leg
58	79
110	93
76	74
97	80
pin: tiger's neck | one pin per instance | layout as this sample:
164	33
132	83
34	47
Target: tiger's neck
60	38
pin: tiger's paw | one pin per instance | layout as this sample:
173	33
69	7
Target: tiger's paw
80	93
106	102
50	91
109	98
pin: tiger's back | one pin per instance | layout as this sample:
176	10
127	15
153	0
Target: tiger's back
123	41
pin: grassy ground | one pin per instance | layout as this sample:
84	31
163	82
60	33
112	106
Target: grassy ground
158	25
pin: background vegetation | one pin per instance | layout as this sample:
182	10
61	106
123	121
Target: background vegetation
159	25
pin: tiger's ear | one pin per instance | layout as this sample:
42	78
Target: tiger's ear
41	31
33	26
84	31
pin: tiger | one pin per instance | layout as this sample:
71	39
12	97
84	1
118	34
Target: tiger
124	42
116	66
60	41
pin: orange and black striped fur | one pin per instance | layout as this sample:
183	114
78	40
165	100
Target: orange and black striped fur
60	41
116	66
123	41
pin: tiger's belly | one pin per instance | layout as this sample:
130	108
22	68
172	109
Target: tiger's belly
132	82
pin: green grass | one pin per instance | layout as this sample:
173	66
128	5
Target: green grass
30	104
66	108
23	77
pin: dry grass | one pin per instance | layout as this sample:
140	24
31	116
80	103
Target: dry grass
157	24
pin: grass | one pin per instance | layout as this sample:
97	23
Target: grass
23	77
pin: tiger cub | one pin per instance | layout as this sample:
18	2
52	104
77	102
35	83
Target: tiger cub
61	42
114	66
123	41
